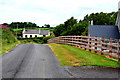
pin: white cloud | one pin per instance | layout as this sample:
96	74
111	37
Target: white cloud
51	12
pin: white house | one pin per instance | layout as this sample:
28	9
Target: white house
31	33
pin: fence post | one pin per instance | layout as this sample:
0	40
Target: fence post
118	51
59	40
110	41
95	45
103	40
119	56
89	44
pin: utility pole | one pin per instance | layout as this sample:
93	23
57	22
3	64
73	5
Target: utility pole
16	30
24	26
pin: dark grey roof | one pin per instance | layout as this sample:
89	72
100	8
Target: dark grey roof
31	31
44	32
36	31
106	31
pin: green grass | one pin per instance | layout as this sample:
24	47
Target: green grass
17	29
43	28
51	29
72	56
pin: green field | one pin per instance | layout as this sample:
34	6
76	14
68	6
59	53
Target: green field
17	29
72	56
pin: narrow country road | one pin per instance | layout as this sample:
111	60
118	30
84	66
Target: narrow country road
38	61
32	61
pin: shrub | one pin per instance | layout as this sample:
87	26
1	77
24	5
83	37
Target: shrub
46	38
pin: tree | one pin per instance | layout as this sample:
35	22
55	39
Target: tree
63	29
70	22
101	18
59	29
71	27
5	24
47	25
77	29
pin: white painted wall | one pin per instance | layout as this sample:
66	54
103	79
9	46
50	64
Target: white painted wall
48	34
33	35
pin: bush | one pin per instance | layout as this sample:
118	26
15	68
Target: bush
8	37
46	38
39	40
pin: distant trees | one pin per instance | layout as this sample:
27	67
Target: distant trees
102	18
23	25
5	24
27	25
47	26
73	27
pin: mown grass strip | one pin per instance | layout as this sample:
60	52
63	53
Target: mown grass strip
72	56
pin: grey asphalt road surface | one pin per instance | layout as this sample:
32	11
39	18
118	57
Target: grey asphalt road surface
32	61
93	72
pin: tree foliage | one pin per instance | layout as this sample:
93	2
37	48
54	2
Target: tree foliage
47	26
102	18
23	25
70	27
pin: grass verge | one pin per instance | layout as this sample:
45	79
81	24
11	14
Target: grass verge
8	47
72	56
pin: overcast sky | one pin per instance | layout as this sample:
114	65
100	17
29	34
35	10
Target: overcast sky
51	12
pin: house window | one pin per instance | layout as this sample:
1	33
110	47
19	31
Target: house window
35	35
25	36
44	35
30	35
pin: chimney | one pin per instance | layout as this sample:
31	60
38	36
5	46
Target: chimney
39	31
91	22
